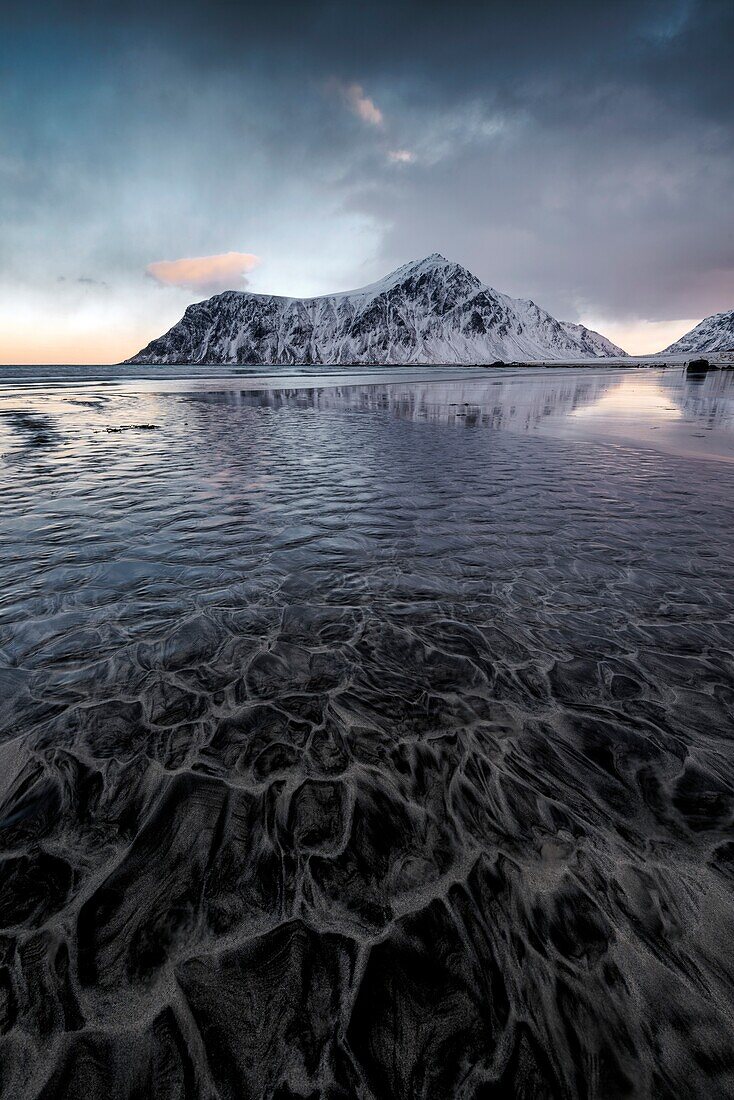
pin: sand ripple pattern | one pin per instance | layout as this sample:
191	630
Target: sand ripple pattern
346	755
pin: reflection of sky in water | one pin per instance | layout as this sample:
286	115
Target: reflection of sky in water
57	425
644	399
57	422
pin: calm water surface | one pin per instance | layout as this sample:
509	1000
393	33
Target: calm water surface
366	735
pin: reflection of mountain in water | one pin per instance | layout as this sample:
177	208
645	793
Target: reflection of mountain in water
518	402
709	400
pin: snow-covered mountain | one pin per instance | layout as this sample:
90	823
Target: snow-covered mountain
428	311
713	334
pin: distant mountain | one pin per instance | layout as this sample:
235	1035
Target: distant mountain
428	311
715	333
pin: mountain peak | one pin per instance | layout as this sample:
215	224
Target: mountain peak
429	265
434	260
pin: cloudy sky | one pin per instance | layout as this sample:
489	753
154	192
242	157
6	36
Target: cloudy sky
154	153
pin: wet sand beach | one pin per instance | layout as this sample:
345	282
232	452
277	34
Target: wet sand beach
367	735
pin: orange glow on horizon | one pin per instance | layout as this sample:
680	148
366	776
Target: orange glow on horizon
641	337
82	349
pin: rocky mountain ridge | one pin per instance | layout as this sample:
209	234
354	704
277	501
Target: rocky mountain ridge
713	335
427	311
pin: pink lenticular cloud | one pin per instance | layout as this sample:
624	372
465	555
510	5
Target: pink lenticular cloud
362	105
223	272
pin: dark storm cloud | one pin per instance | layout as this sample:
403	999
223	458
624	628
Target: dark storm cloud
581	154
680	47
